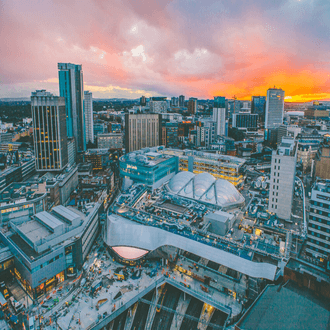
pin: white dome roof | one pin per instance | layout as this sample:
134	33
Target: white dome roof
202	182
205	187
180	180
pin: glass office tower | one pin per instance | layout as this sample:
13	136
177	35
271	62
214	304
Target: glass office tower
71	88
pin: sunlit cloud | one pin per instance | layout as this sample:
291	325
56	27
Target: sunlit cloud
169	48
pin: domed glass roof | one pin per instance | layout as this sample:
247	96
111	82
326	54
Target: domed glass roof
202	183
180	180
205	187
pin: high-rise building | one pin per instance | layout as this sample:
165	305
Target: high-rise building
192	105
219	114
170	134
258	106
143	101
282	179
158	104
174	101
318	235
72	89
181	100
274	108
49	131
142	131
245	120
89	121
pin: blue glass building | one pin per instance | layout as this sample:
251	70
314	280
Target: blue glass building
148	167
258	106
219	102
71	88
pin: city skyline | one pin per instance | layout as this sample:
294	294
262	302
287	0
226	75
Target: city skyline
167	48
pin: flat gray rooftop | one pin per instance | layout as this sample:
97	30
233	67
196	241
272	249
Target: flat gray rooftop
34	230
49	220
66	213
288	308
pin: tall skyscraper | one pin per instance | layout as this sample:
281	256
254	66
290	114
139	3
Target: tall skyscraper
258	106
274	108
282	179
89	121
49	131
142	131
192	105
181	100
219	114
72	89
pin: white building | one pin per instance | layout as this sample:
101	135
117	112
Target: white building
219	116
158	104
88	110
274	108
282	179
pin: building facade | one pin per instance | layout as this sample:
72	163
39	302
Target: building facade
110	141
72	89
318	236
142	131
192	105
49	131
220	166
245	120
258	106
148	167
282	180
89	121
274	108
181	100
158	104
50	247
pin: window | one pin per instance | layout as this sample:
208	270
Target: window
279	167
278	174
276	200
279	161
274	180
277	187
274	174
275	207
275	160
278	181
272	206
273	186
272	199
276	194
275	167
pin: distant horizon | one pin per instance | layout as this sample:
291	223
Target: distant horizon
168	98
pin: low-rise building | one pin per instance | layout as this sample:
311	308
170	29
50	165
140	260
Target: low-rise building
21	200
62	185
148	166
50	246
220	166
110	141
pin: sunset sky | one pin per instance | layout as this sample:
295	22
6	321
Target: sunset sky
198	48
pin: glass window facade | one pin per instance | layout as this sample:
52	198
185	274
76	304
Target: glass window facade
148	175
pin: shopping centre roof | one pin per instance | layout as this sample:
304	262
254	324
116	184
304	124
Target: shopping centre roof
206	188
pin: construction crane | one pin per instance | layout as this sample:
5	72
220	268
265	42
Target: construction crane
235	98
